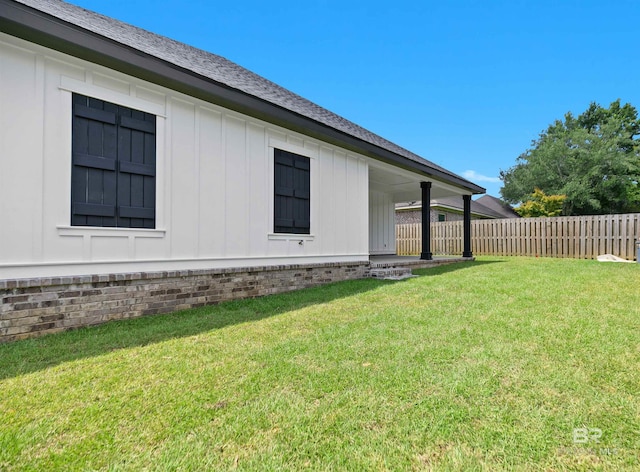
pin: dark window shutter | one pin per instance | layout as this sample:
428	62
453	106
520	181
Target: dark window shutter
137	169
292	193
94	162
114	165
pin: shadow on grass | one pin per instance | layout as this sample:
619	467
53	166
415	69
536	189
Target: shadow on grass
31	355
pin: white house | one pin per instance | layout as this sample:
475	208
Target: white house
127	157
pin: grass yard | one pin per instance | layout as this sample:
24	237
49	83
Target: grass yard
490	365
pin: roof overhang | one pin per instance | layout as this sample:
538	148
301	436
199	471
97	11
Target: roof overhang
35	26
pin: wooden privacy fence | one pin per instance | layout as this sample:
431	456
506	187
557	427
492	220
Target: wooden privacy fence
580	237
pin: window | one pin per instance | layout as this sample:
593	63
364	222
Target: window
442	217
292	192
113	181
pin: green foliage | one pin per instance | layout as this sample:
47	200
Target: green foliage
541	204
593	159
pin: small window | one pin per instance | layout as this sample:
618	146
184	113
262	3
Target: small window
292	193
113	176
442	217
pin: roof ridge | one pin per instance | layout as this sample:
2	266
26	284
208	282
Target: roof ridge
220	70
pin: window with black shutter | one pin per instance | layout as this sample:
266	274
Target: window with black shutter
292	193
113	176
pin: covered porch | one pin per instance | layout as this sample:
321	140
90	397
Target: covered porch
389	185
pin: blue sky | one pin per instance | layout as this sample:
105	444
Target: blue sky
466	84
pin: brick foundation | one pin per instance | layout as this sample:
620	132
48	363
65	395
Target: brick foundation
32	307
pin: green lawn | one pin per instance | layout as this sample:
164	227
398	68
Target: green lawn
488	365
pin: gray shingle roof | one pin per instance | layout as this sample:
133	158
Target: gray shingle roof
478	207
498	206
456	203
222	71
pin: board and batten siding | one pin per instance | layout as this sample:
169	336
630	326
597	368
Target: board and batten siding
214	180
382	237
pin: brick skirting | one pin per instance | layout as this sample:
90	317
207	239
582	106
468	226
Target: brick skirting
32	307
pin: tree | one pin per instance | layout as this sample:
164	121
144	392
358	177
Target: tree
541	204
593	159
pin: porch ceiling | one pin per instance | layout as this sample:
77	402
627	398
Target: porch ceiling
404	186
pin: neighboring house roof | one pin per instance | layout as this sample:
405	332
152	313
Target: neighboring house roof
134	51
497	206
455	204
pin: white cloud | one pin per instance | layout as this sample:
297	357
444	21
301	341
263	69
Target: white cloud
475	177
